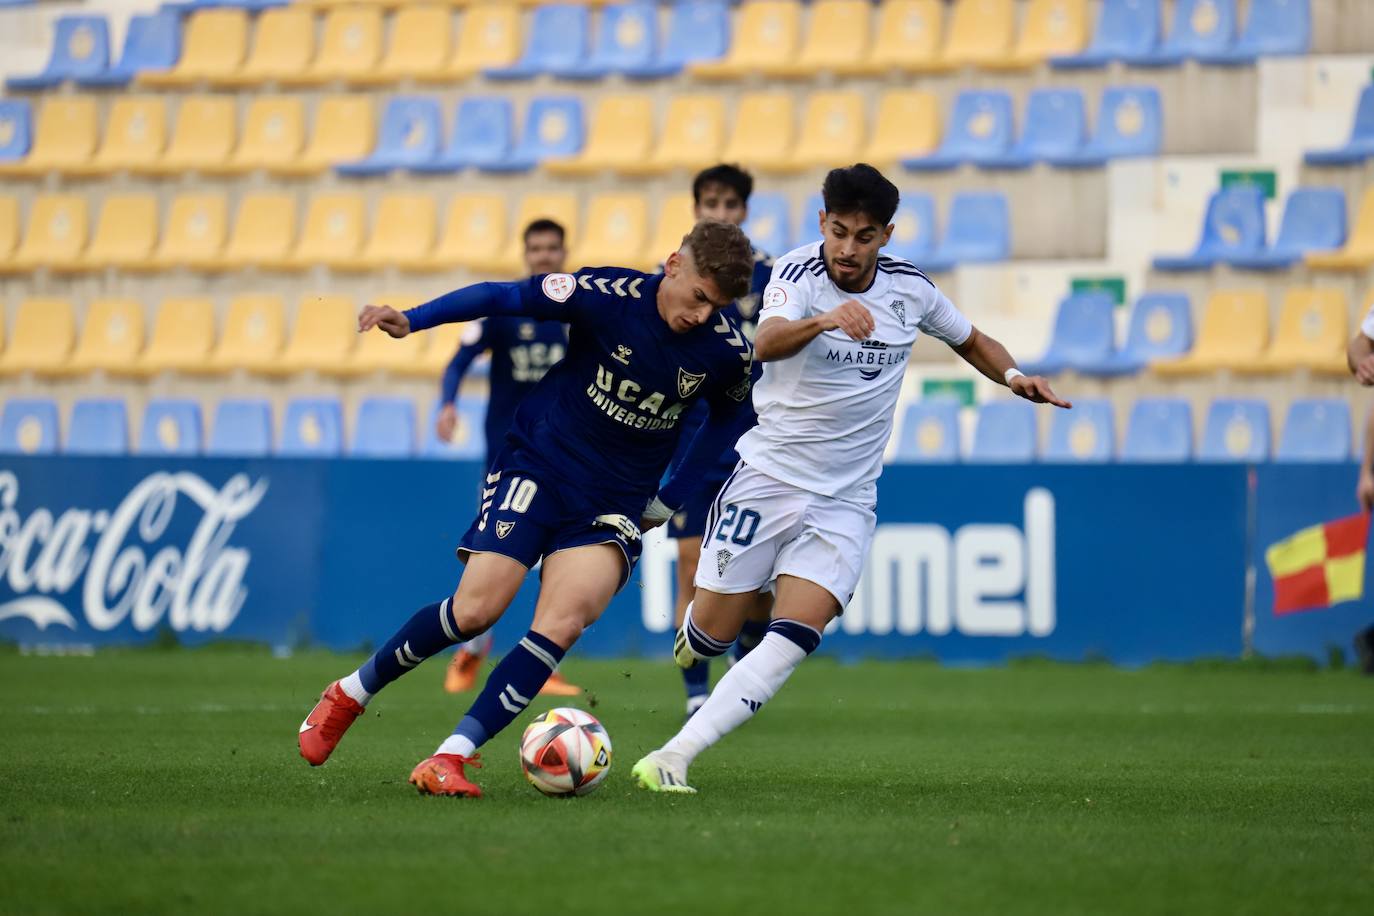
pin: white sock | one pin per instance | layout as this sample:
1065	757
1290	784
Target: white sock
744	689
353	686
457	744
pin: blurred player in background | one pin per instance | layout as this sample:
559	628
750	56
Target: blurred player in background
578	478
522	351
838	324
1360	357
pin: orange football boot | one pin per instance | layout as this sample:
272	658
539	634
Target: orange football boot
325	726
461	674
443	774
558	686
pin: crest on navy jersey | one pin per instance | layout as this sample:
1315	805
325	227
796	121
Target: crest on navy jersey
688	382
899	309
503	529
622	354
741	391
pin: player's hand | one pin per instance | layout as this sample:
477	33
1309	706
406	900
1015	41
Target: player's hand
1364	371
385	317
1364	491
446	422
851	317
655	514
1036	388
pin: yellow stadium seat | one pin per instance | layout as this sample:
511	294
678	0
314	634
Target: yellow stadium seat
474	234
693	134
325	333
765	35
254	333
439	345
1312	332
1358	252
183	335
193	235
762	134
980	33
350	47
617	225
264	229
907	39
213	46
55	235
125	234
135	134
332	234
383	353
488	36
837	38
907	124
9	229
283	45
273	134
622	131
202	139
1232	335
402	233
675	219
419	48
561	208
344	129
64	137
833	131
110	338
1051	27
42	338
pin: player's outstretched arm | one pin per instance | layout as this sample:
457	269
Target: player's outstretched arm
1359	356
779	338
481	300
989	357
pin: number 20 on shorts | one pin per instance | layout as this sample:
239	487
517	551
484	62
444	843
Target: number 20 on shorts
738	527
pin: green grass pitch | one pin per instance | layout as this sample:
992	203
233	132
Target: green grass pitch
169	782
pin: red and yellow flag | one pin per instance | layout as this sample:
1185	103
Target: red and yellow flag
1319	566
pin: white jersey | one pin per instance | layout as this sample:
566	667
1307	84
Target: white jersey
825	414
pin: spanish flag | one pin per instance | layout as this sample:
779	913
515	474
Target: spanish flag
1319	566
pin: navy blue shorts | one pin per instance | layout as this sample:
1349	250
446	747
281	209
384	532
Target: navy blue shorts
690	520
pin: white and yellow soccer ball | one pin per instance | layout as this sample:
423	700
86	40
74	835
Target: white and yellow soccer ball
565	752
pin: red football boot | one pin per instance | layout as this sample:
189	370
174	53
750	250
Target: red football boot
443	774
326	724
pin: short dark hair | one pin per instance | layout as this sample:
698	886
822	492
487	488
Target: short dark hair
861	189
722	252
544	225
727	174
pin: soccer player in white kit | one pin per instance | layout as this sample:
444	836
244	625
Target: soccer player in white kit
837	325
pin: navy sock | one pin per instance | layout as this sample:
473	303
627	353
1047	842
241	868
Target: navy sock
697	679
511	686
749	636
429	632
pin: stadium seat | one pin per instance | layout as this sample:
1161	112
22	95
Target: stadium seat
28	426
907	39
194	233
1084	334
65	136
264	227
41	338
930	432
135	136
402	234
385	428
111	337
1236	430
1085	434
214	45
440	343
254	334
283	45
332	234
693	134
98	426
1311	334
182	338
1050	28
833	130
55	235
1358	251
80	47
411	134
419	47
762	130
1159	430
474	233
913	229
152	41
378	352
616	224
1004	433
837	37
1233	226
273	134
1360	146
1315	429
15	134
1274	28
203	138
171	426
1313	221
621	133
698	30
766	34
350	47
1161	327
978	229
1054	126
242	428
980	128
325	333
675	220
561	208
469	435
907	126
1125	29
557	41
553	130
980	33
488	38
311	428
626	40
9	230
483	128
768	223
343	132
807	229
1200	28
1130	123
1232	335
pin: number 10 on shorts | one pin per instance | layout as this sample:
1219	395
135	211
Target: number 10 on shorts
738	527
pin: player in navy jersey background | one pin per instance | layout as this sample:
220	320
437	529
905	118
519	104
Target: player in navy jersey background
579	477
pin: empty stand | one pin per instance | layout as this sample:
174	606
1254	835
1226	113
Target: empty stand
557	41
1315	429
620	135
324	335
111	337
1050	28
907	125
343	132
214	45
241	428
1358	251
1084	335
1160	328
980	128
402	235
312	428
54	236
81	47
64	136
1004	434
332	234
28	426
1085	434
616	224
766	35
482	135
1311	334
626	42
698	31
692	137
183	335
98	426
1232	227
763	130
837	38
1232	335
385	428
254	335
411	134
283	46
1313	222
273	136
1235	430
475	233
171	426
134	140
264	228
203	138
41	338
350	48
1360	146
152	41
552	130
418	48
488	38
929	432
1159	430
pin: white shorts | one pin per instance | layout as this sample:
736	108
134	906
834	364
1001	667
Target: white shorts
760	528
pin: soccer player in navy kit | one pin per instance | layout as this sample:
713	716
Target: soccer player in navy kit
579	477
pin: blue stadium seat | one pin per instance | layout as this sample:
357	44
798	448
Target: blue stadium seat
1005	433
914	233
242	429
1233	226
1085	434
1275	28
411	132
1054	126
1130	122
1313	220
28	426
313	427
1236	430
769	223
16	129
1201	27
808	229
980	128
80	47
930	431
482	135
1159	429
978	230
697	30
386	429
1360	146
469	439
1084	333
151	42
557	41
1316	429
626	40
171	426
99	426
553	128
1125	28
1161	327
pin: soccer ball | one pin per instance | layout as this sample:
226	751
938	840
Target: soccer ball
565	752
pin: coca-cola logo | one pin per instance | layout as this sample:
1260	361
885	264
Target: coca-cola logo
196	586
